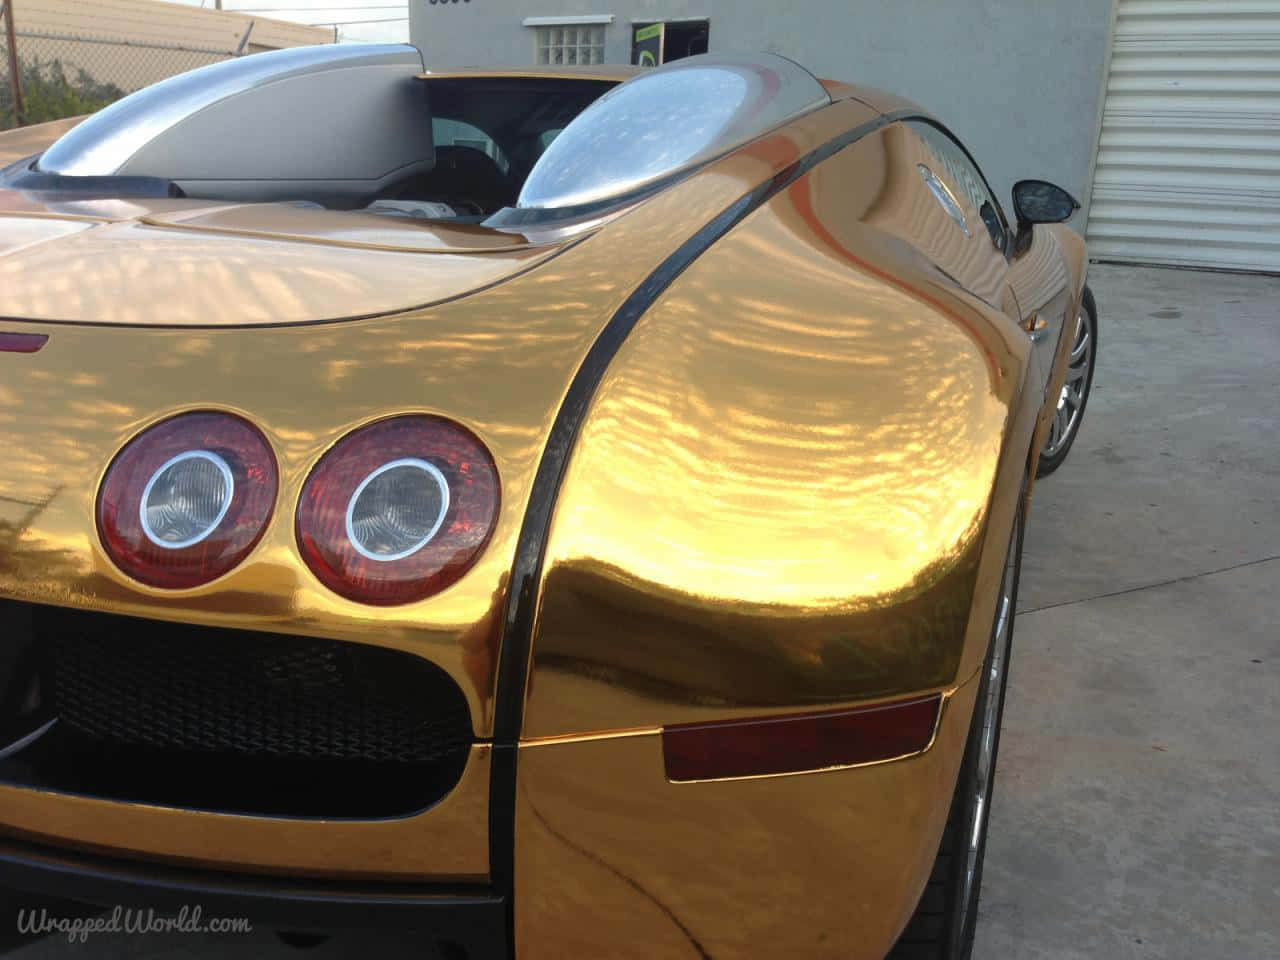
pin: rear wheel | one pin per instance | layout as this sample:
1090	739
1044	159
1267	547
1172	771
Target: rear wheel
943	925
1075	391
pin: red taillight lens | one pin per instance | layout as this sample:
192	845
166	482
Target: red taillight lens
185	501
398	510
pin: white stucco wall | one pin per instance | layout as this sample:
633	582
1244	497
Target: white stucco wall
1019	81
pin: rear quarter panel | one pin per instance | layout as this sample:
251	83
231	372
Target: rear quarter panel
794	488
780	494
1066	293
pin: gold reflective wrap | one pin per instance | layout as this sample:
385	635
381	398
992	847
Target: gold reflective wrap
200	273
498	362
793	489
614	861
450	842
779	496
22	142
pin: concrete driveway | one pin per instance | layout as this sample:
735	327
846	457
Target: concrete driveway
1137	800
1137	806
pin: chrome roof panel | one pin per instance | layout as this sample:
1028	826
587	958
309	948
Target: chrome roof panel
667	120
104	143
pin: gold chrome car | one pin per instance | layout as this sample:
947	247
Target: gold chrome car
564	512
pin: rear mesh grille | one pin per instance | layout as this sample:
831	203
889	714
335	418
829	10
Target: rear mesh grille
250	722
256	696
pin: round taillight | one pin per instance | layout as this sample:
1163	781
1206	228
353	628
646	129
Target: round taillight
186	500
398	510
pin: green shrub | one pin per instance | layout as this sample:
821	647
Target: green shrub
49	94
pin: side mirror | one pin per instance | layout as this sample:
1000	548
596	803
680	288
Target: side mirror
1038	201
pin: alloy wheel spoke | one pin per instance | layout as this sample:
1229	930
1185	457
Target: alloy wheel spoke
1080	349
1074	390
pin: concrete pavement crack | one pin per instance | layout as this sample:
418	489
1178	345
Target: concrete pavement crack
1149	586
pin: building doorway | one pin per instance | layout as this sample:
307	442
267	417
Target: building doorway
655	43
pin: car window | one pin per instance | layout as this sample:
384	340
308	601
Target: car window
963	174
459	133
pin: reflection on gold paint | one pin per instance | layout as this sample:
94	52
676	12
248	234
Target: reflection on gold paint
1039	282
614	860
449	844
753	450
24	233
778	496
134	273
22	142
497	361
906	209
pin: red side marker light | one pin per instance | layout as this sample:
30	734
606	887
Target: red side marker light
22	342
794	743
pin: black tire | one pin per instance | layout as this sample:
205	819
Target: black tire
1050	463
945	919
300	940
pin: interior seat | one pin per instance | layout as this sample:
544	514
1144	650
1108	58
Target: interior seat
466	178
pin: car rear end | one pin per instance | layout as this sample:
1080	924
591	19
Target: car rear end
260	739
300	726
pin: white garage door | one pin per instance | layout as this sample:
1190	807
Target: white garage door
1188	165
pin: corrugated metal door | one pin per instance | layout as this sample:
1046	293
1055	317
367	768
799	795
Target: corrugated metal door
1188	165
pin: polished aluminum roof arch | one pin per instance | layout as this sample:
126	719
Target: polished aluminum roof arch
104	143
666	121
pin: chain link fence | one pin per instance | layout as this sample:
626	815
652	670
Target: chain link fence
66	75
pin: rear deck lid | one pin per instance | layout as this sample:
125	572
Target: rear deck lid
186	263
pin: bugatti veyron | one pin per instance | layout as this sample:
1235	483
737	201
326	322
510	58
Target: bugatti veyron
564	512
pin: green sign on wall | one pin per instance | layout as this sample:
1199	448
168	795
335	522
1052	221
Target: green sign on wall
646	45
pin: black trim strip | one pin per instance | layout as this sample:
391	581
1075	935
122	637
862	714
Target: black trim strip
58	187
531	547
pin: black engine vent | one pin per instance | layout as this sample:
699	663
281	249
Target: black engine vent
239	721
